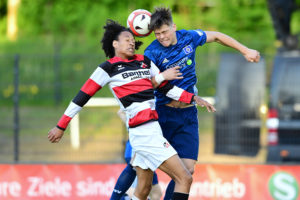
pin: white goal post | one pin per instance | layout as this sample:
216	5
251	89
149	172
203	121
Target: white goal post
99	102
74	124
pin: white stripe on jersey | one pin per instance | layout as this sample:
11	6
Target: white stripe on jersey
154	69
136	107
199	32
173	93
100	76
72	110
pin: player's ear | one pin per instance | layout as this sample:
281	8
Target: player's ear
174	27
115	44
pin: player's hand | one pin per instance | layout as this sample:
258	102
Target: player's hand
55	134
252	55
172	73
201	102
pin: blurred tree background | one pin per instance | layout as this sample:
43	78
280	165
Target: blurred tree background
76	26
59	40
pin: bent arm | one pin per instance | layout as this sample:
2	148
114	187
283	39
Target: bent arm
160	80
167	75
250	55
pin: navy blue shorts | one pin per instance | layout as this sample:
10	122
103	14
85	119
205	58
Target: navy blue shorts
180	128
127	157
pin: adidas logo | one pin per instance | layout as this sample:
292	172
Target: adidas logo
165	60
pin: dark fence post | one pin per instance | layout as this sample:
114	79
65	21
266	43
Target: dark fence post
57	81
16	108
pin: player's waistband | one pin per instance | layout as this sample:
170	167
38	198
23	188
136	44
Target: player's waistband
178	104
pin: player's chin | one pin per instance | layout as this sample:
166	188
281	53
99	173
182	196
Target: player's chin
130	53
165	43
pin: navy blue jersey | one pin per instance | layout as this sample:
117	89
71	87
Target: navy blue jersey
181	54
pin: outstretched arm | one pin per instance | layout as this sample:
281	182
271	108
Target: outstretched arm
250	55
97	80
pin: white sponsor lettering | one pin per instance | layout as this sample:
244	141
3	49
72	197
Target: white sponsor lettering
10	189
216	189
219	189
39	187
90	187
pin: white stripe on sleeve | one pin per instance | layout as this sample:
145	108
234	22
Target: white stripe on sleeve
72	110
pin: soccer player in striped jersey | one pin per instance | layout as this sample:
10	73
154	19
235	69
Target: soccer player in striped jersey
132	79
122	189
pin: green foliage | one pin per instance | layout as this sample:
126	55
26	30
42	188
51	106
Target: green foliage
71	28
72	23
3	13
295	28
3	8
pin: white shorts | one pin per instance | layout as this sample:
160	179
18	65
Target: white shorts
150	148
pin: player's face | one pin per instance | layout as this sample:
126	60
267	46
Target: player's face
166	35
125	45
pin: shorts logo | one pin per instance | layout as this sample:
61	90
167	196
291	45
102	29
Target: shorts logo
188	49
117	191
166	144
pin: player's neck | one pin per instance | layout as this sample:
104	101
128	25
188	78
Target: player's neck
174	42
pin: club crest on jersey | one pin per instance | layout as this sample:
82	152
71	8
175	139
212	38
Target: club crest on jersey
188	49
143	65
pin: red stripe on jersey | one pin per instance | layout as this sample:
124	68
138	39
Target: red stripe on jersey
139	57
90	87
64	121
163	84
116	59
186	97
133	87
143	116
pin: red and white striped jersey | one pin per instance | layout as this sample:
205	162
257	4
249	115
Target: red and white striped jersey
130	83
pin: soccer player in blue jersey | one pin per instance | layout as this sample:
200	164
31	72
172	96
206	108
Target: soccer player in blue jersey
172	48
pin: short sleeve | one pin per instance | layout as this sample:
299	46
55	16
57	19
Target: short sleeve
150	55
199	37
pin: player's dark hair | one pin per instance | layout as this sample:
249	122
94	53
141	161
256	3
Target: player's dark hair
112	31
161	16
